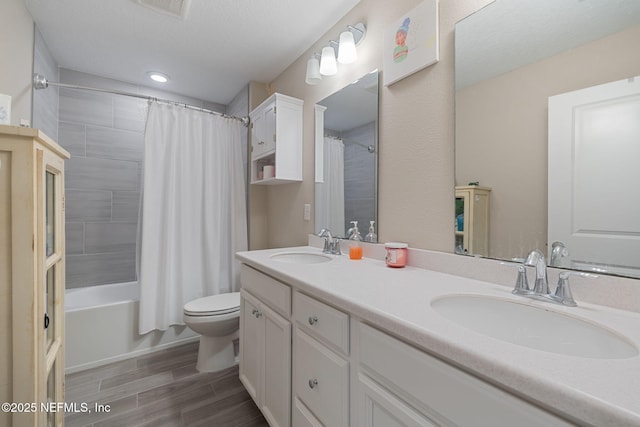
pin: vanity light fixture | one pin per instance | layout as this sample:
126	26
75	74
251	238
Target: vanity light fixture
351	37
313	76
328	65
158	77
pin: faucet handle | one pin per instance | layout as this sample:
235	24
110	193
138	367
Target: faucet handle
563	290
522	283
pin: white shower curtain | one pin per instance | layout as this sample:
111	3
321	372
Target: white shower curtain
330	201
193	215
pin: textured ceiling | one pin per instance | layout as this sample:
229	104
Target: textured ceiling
217	49
506	35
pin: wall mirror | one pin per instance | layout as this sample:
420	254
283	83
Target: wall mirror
514	62
346	154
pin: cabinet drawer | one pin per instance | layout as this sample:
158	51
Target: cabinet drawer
276	294
321	380
440	390
323	322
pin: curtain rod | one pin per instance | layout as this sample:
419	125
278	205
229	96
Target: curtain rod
41	82
370	148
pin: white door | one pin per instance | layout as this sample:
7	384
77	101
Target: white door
594	175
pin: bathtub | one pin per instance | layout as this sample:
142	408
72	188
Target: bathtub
101	326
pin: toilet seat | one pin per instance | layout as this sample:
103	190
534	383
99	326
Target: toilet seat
214	305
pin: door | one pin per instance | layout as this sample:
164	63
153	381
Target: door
251	343
594	147
276	402
51	213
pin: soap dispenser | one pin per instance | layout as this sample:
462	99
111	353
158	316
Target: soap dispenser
355	249
371	237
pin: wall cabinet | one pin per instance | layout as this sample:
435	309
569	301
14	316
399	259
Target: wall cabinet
32	279
472	220
265	347
276	140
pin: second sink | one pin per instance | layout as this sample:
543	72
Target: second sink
300	257
533	327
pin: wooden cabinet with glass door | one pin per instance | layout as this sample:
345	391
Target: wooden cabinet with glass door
32	277
472	220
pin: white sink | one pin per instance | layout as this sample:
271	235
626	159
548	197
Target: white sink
534	327
301	257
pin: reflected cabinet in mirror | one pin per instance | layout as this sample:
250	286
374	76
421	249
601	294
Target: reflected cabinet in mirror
548	117
346	158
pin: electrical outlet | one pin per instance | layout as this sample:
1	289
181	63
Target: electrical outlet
307	212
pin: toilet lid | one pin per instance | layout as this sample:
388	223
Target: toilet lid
214	304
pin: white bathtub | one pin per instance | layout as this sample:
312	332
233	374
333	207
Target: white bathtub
102	327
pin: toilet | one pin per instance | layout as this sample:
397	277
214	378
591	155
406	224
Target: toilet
217	319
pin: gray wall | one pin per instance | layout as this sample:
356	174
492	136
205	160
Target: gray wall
359	177
105	135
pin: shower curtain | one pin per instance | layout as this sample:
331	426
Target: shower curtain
193	212
330	200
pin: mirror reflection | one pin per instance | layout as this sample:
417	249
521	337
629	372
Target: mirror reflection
523	70
346	158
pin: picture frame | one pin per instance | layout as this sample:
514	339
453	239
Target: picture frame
411	43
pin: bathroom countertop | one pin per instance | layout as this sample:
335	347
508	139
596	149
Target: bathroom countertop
589	391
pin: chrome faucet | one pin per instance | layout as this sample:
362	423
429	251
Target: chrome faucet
541	285
558	251
331	244
540	289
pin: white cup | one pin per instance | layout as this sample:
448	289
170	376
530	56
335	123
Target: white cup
269	171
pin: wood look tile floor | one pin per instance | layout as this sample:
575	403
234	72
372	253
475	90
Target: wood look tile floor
161	389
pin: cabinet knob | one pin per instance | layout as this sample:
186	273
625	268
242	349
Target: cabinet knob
313	383
258	314
313	320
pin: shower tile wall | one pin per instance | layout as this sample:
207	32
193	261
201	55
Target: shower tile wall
105	135
359	176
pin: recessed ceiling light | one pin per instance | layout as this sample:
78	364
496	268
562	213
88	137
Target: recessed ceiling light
158	77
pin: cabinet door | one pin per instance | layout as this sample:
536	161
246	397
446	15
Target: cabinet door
51	322
270	128
251	342
276	401
378	408
257	134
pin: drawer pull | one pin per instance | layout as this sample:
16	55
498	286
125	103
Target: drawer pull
313	383
313	320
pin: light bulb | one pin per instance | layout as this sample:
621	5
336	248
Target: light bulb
313	76
347	51
328	66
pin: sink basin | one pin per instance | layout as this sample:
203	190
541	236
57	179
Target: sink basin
301	257
533	327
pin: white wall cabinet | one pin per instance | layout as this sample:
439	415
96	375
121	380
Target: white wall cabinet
32	275
276	140
265	348
472	202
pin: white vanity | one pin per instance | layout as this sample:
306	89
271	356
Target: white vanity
326	341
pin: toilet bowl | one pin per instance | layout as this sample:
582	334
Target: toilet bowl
217	319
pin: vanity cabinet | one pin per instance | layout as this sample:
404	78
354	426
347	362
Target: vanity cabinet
472	233
265	344
32	275
320	363
399	384
276	140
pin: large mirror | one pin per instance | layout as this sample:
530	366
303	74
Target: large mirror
524	71
347	158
